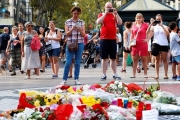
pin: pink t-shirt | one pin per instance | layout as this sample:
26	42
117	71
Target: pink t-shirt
142	32
85	39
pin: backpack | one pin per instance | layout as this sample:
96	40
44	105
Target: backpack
1	41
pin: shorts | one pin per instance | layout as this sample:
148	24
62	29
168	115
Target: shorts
3	55
108	48
176	59
156	48
54	52
126	51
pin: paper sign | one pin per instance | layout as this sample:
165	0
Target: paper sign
150	114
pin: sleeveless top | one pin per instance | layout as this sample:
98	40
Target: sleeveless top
43	42
160	36
54	44
128	38
21	33
12	40
28	38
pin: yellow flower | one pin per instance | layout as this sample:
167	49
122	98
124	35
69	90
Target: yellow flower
139	91
78	91
90	101
41	95
59	96
70	89
37	103
137	107
35	96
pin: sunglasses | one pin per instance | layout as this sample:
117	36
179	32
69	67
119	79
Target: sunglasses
30	25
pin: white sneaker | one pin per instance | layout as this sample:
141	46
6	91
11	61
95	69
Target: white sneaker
27	77
63	82
37	77
77	82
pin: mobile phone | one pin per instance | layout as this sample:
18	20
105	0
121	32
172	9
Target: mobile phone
156	21
110	10
77	24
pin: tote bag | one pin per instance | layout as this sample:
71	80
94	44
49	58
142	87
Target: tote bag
35	43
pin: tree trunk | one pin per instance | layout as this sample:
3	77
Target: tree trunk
17	12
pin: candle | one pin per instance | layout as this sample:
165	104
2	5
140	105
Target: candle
114	102
125	103
138	115
129	105
148	106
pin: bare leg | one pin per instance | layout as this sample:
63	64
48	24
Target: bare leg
178	70
144	62
174	69
37	71
28	72
52	64
43	62
56	64
70	70
113	65
157	65
125	55
164	59
135	63
104	65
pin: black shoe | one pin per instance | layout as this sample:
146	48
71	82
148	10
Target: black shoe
153	66
42	71
10	70
13	74
70	76
143	68
22	72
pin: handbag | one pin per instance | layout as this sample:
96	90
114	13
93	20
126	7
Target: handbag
35	43
133	41
73	46
48	47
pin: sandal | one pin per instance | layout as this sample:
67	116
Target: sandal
42	71
14	73
70	76
166	78
157	77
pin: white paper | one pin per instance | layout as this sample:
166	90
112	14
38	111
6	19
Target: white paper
150	114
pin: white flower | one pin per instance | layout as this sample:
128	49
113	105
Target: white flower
58	91
86	87
126	88
112	85
120	85
115	87
116	82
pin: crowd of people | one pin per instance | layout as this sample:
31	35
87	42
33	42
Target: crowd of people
151	43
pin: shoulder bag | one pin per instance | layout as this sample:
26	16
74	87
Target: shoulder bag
73	46
133	41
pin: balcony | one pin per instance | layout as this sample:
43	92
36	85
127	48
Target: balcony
23	2
21	20
7	13
22	10
15	4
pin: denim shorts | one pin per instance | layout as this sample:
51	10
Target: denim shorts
176	59
54	52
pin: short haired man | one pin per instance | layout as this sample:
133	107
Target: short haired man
119	45
21	29
5	37
108	45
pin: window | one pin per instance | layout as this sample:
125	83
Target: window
14	1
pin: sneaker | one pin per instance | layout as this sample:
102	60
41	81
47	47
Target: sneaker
174	77
123	71
54	76
77	82
47	66
178	78
115	76
103	77
153	66
37	77
14	73
27	77
63	82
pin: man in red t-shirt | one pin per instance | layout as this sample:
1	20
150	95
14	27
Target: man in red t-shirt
108	46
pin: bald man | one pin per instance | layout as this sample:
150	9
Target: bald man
5	37
108	45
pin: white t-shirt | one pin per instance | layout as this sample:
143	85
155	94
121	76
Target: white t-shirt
119	36
174	44
54	44
160	37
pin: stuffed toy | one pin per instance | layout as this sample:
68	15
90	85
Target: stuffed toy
51	99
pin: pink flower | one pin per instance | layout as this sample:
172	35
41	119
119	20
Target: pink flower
29	98
86	114
58	86
74	88
92	87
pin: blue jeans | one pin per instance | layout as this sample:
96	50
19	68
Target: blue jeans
69	57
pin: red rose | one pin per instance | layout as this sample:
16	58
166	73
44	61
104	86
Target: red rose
47	108
149	93
51	117
29	98
64	87
43	115
36	109
41	110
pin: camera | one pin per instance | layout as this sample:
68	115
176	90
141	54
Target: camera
110	10
156	21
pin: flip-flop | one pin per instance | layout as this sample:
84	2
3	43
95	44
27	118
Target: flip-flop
145	76
157	77
166	78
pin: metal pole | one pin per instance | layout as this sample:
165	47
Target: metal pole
17	12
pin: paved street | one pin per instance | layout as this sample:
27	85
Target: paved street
10	86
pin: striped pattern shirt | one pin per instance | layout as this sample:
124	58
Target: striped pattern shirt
73	37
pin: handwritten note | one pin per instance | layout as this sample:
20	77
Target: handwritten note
150	114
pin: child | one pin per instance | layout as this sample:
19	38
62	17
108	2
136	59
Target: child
175	50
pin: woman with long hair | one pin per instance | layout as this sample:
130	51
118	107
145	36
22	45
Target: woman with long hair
15	52
75	31
53	37
138	32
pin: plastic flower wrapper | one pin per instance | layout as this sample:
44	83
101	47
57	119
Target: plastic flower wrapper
71	98
164	97
23	115
165	109
90	101
58	91
76	115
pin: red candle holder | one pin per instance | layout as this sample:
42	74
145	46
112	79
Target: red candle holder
148	106
129	105
138	115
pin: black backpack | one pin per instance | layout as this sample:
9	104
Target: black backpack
1	41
